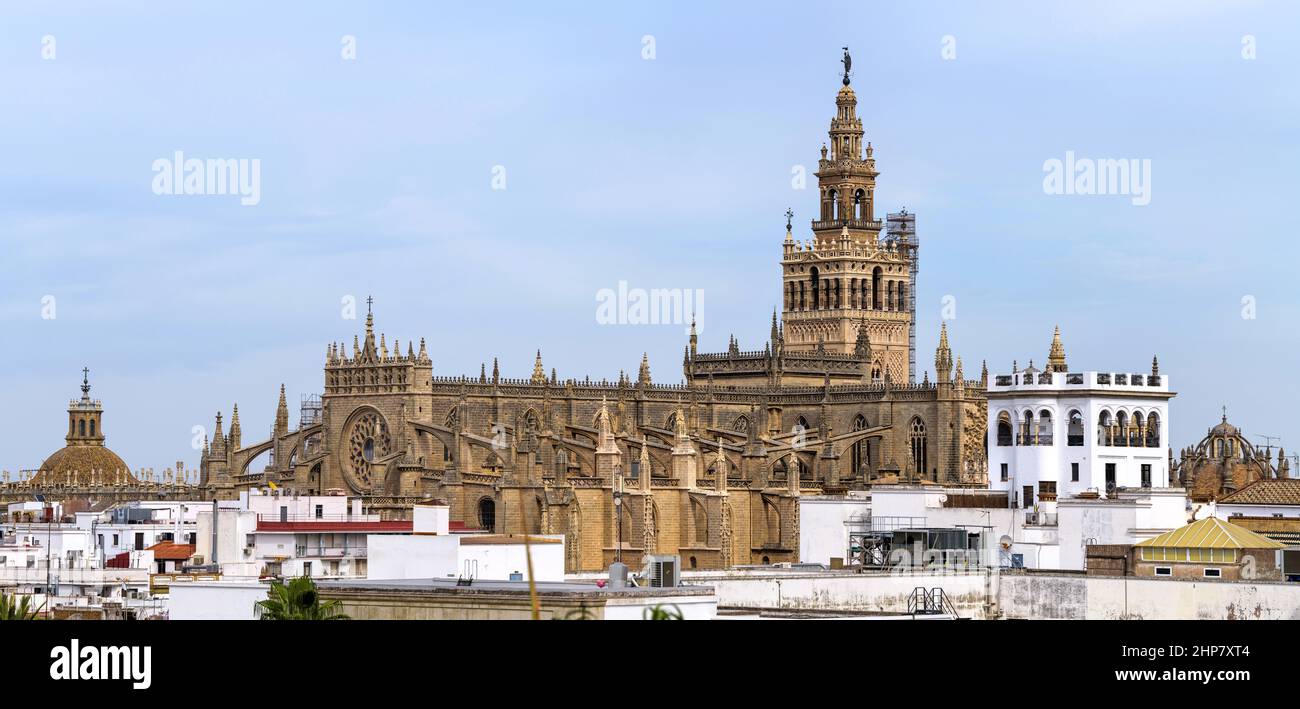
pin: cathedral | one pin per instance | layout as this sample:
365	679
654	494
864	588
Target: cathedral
711	468
86	474
1225	461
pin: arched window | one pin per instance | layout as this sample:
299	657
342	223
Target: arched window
1121	429
81	429
875	288
92	428
889	297
487	514
919	453
1004	429
861	451
859	205
1027	429
816	289
772	517
1153	430
1044	428
902	296
1105	429
1074	436
701	522
1138	431
835	205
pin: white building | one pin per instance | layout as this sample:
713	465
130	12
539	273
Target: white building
1057	434
431	551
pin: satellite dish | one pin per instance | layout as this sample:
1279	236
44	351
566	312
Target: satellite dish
1005	542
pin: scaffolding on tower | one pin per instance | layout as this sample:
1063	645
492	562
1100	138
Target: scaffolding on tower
309	410
902	229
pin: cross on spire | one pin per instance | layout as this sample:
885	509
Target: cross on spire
369	301
85	381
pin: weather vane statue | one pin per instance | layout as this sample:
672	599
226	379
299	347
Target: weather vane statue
848	65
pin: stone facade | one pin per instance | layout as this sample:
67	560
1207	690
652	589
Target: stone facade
710	469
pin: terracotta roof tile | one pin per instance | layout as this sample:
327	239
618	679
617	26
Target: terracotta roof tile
1266	492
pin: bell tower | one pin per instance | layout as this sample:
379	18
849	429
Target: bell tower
852	274
85	417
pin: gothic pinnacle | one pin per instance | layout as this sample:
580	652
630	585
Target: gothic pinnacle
1056	355
539	373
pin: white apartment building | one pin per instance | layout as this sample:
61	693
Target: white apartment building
1057	434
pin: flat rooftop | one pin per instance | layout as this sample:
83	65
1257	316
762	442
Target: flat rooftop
438	586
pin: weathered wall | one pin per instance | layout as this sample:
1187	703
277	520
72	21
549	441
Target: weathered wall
1039	596
876	594
1102	598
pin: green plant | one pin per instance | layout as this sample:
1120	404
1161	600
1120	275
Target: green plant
298	600
661	613
13	608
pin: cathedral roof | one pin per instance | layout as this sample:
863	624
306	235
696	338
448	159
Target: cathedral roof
80	461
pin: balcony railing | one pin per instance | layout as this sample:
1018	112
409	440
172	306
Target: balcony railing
313	551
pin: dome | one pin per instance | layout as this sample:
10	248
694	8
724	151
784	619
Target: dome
1225	430
81	461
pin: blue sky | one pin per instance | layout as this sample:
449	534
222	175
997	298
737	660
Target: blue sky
665	173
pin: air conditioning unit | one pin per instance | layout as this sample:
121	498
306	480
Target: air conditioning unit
664	571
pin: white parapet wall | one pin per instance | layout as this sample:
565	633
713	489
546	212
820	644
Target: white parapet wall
994	594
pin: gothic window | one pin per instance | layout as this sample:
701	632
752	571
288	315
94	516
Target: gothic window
741	424
875	288
861	451
772	517
802	423
1004	429
919	455
487	514
671	424
701	522
1074	436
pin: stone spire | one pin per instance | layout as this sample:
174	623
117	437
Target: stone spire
695	338
605	444
496	371
643	377
1056	356
235	433
943	356
539	373
282	414
218	440
644	473
720	469
863	347
984	373
424	355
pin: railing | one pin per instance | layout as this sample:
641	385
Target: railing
273	517
309	550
